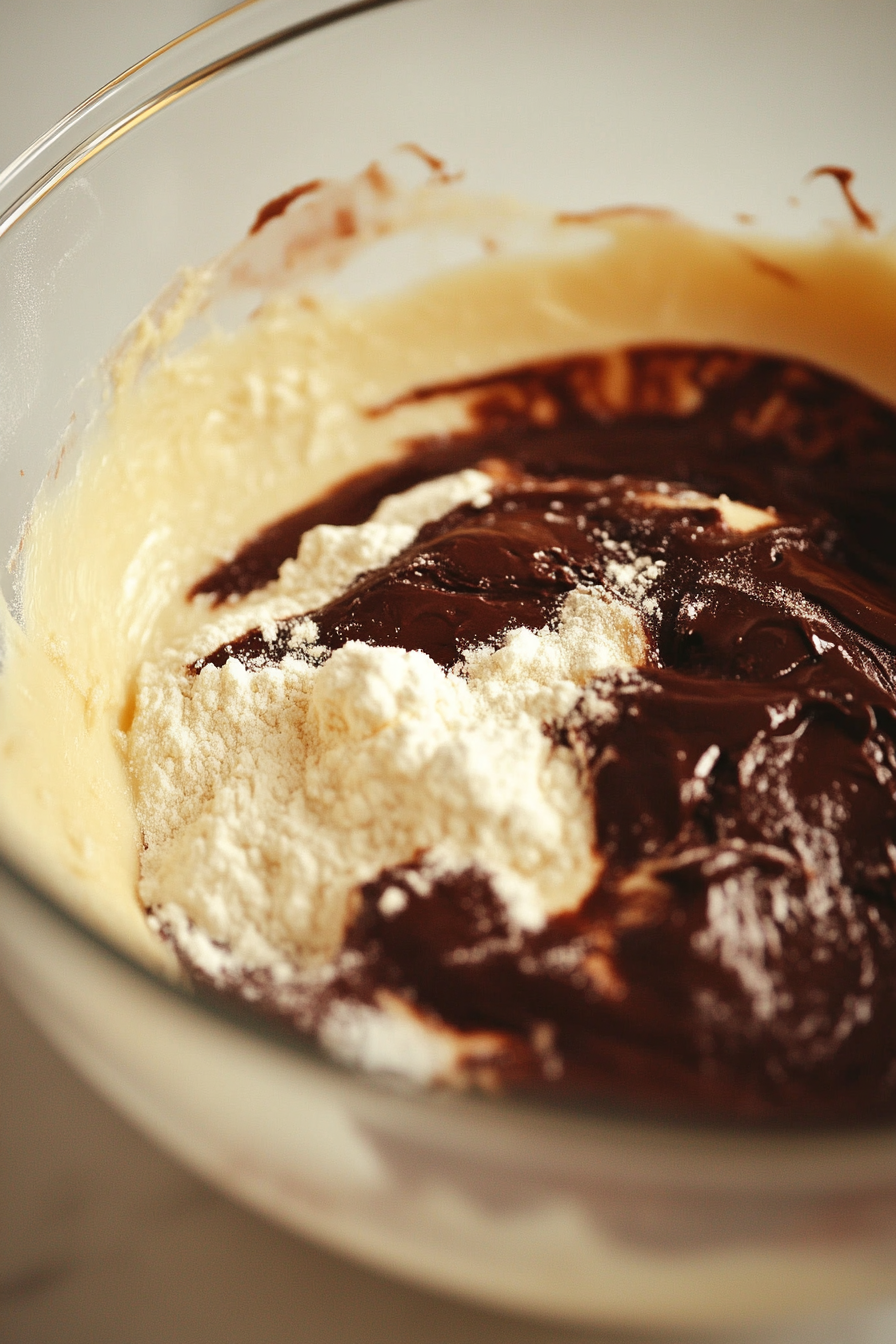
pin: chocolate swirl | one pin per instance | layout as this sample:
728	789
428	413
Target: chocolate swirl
738	953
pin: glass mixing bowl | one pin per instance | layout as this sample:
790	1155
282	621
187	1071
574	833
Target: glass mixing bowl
711	109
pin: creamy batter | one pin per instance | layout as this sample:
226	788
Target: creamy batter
253	852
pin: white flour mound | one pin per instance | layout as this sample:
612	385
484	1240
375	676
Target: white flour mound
267	797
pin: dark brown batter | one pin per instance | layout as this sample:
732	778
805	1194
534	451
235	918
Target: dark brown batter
738	953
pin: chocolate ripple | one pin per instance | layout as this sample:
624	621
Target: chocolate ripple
738	954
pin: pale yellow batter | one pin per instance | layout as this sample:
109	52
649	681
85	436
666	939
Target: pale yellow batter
202	448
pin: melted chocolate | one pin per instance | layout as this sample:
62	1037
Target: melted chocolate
763	430
467	578
280	204
844	178
738	953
